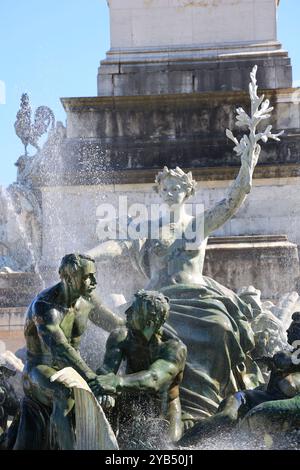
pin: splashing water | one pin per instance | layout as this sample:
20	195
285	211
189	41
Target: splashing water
31	264
238	439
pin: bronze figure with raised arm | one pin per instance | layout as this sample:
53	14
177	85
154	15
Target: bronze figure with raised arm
209	318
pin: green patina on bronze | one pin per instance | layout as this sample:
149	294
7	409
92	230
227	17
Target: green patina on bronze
9	402
154	368
270	410
55	322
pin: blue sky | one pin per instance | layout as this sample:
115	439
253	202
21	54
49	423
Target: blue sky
53	49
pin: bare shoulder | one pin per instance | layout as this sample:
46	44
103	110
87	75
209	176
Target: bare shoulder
174	351
44	309
44	313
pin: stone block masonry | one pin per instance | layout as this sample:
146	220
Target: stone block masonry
183	46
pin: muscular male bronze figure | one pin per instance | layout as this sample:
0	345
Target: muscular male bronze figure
275	407
154	366
55	322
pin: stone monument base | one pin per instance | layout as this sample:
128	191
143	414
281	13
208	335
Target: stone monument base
188	46
269	263
192	70
17	290
12	319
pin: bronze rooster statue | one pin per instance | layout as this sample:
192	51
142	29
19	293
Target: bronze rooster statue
29	132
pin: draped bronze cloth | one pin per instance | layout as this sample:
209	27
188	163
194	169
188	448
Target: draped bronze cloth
213	323
93	431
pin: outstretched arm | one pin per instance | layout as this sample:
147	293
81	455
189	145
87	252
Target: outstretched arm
248	149
113	352
226	208
103	317
109	249
159	375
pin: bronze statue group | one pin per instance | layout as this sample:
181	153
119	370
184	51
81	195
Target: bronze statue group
143	402
181	367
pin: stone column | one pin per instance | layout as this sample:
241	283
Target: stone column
186	46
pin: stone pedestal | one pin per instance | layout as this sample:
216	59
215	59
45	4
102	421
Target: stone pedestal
270	263
17	290
12	319
127	139
183	46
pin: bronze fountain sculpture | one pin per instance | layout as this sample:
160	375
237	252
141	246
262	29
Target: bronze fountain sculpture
154	369
199	314
29	132
203	313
